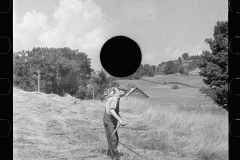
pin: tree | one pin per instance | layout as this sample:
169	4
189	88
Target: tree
186	70
214	66
151	71
103	81
21	72
154	67
180	69
193	64
185	56
169	68
179	59
62	70
140	71
100	82
146	69
177	63
159	69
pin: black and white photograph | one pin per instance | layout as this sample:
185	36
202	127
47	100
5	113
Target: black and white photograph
120	80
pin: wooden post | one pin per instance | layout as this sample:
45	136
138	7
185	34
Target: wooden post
93	91
38	80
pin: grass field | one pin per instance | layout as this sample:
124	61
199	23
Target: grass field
47	126
165	95
190	79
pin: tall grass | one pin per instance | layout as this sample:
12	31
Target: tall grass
202	135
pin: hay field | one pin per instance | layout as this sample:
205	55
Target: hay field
165	95
47	126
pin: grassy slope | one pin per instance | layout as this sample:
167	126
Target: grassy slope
184	96
53	127
191	80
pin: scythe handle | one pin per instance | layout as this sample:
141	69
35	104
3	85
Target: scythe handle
115	129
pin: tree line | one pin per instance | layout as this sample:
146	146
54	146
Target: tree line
62	70
181	65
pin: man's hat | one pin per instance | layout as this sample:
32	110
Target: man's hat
123	87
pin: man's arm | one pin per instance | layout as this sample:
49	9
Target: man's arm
123	123
115	115
112	111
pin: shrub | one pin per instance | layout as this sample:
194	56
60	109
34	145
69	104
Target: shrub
175	86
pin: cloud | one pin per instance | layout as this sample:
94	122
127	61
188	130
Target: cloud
178	52
25	33
195	50
173	54
170	54
76	24
155	58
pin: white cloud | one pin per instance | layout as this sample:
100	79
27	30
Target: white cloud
169	54
195	50
178	53
155	58
25	33
77	24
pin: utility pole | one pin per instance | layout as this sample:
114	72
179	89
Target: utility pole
93	91
91	86
38	80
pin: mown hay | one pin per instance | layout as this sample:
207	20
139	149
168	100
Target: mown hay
53	127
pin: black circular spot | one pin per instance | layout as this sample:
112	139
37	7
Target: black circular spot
120	56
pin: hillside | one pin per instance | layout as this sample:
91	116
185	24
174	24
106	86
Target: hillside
155	88
196	81
47	126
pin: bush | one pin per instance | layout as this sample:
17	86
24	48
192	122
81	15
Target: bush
175	86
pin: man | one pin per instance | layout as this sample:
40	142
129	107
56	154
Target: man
111	118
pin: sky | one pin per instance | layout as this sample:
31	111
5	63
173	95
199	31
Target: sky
164	29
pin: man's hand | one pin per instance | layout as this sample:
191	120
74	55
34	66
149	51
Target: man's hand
122	123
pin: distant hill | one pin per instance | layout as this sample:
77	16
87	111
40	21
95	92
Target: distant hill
187	65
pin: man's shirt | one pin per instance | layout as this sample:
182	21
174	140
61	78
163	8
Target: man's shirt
111	104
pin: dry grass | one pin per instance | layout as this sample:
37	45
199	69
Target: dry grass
197	134
53	127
